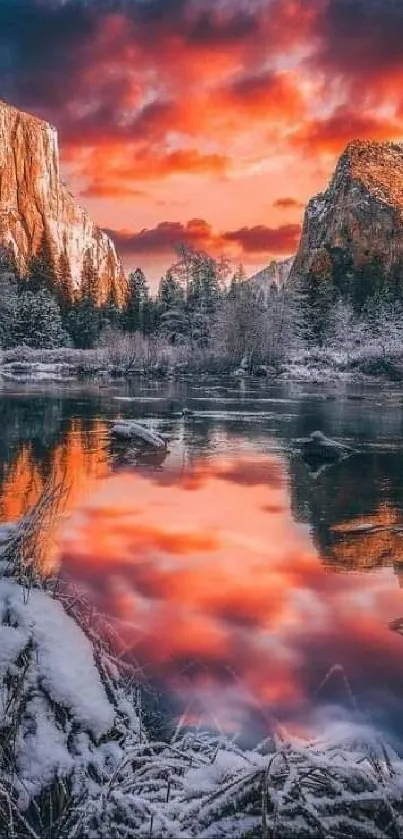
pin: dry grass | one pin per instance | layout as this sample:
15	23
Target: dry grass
25	555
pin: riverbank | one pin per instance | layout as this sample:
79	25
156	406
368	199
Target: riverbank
318	366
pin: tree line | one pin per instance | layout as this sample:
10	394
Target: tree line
201	306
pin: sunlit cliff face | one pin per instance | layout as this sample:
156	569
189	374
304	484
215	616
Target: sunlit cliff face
222	598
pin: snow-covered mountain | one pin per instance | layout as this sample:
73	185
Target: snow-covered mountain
352	235
275	274
37	208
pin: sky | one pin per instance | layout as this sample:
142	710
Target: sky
210	122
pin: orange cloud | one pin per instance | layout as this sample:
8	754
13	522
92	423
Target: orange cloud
287	204
205	89
122	167
102	189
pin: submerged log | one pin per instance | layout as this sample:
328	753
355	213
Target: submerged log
129	430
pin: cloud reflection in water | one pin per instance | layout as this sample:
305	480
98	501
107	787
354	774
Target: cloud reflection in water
223	599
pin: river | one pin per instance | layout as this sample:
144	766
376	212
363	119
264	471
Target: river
280	616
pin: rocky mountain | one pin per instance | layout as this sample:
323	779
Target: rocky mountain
352	235
37	212
275	274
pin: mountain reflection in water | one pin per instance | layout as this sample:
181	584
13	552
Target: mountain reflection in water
355	510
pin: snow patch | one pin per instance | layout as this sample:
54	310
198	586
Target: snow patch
64	657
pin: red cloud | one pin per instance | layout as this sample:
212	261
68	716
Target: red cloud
262	95
146	69
151	68
177	87
260	239
164	237
334	133
197	233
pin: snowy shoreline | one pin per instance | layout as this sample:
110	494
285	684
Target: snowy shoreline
80	760
88	370
84	765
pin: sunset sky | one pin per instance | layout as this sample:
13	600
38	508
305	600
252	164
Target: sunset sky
205	121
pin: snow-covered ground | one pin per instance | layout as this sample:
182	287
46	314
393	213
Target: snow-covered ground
342	360
77	761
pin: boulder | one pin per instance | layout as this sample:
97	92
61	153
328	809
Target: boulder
130	430
320	449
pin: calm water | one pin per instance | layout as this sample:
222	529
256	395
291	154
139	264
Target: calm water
231	633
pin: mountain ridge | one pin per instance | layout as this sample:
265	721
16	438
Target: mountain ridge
352	235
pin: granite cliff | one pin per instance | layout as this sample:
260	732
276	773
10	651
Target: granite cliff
37	210
352	235
275	274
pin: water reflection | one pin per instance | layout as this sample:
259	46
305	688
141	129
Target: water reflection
43	440
355	509
248	628
222	598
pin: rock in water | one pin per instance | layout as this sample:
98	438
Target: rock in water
320	449
352	236
38	213
129	430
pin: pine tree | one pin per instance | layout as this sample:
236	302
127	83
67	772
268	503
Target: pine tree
170	307
39	323
8	261
8	308
136	315
41	272
238	278
318	298
90	280
111	316
84	323
202	279
65	285
85	319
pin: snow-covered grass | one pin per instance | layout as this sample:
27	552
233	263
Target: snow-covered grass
319	364
335	363
354	354
78	761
